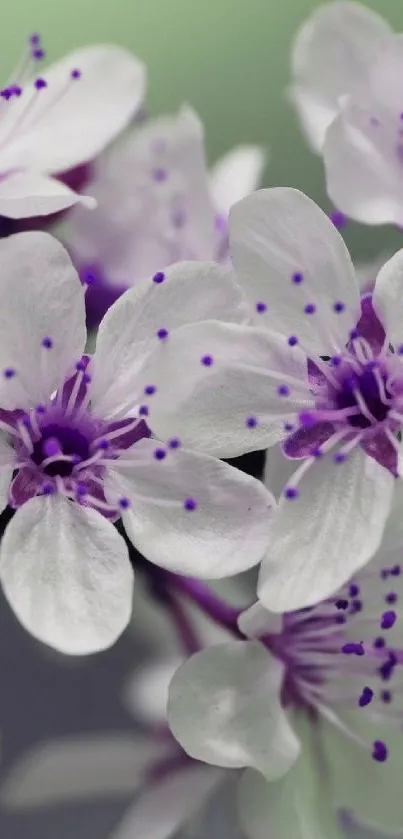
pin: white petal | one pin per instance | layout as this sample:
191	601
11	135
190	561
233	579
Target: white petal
40	296
331	530
297	806
146	693
143	224
28	194
330	57
256	622
7	460
66	573
363	171
226	533
278	470
74	119
224	708
388	298
377	800
190	292
163	808
277	233
236	174
89	766
210	406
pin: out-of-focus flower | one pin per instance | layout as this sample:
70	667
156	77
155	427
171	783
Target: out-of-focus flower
54	121
156	204
323	374
313	701
347	65
77	453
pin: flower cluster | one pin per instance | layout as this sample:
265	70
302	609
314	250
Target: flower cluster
229	320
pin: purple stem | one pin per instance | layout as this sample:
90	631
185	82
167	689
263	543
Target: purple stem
208	601
187	635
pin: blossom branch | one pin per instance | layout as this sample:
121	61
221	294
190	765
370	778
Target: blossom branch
208	601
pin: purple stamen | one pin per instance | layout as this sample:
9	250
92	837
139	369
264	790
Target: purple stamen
366	697
380	751
388	619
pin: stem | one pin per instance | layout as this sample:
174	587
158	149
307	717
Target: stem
186	633
208	602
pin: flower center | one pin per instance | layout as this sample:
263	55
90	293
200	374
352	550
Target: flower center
363	389
70	443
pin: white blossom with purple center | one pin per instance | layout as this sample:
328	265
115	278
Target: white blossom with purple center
347	65
313	701
157	204
321	372
77	452
55	119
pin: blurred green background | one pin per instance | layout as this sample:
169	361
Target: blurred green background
228	58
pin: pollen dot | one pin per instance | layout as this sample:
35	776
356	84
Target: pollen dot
297	277
354	333
341	604
207	360
283	390
290	493
366	697
391	597
261	307
288	426
190	504
306	419
8	373
338	306
338	218
353	590
388	619
251	422
159	277
149	390
103	444
124	503
143	411
339	457
51	447
380	751
396	570
162	334
81	489
174	443
39	84
48	489
76	73
400	349
293	340
386	696
160	454
160	175
310	309
379	643
47	342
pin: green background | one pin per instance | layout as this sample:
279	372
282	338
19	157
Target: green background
228	58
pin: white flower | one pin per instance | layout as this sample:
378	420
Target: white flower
157	204
322	373
313	701
347	66
55	120
77	451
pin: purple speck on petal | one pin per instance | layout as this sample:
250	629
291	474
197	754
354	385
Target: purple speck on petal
339	306
297	277
366	697
190	504
159	277
293	340
283	390
261	307
388	619
207	360
159	454
149	390
290	493
338	218
310	309
162	334
9	373
124	503
47	342
251	422
380	751
75	73
143	411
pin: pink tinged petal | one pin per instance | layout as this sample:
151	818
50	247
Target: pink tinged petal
236	174
73	119
330	58
387	298
185	293
289	255
191	513
25	194
41	297
224	708
24	486
369	325
66	573
380	448
167	805
70	769
232	404
306	441
173	218
327	532
363	173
